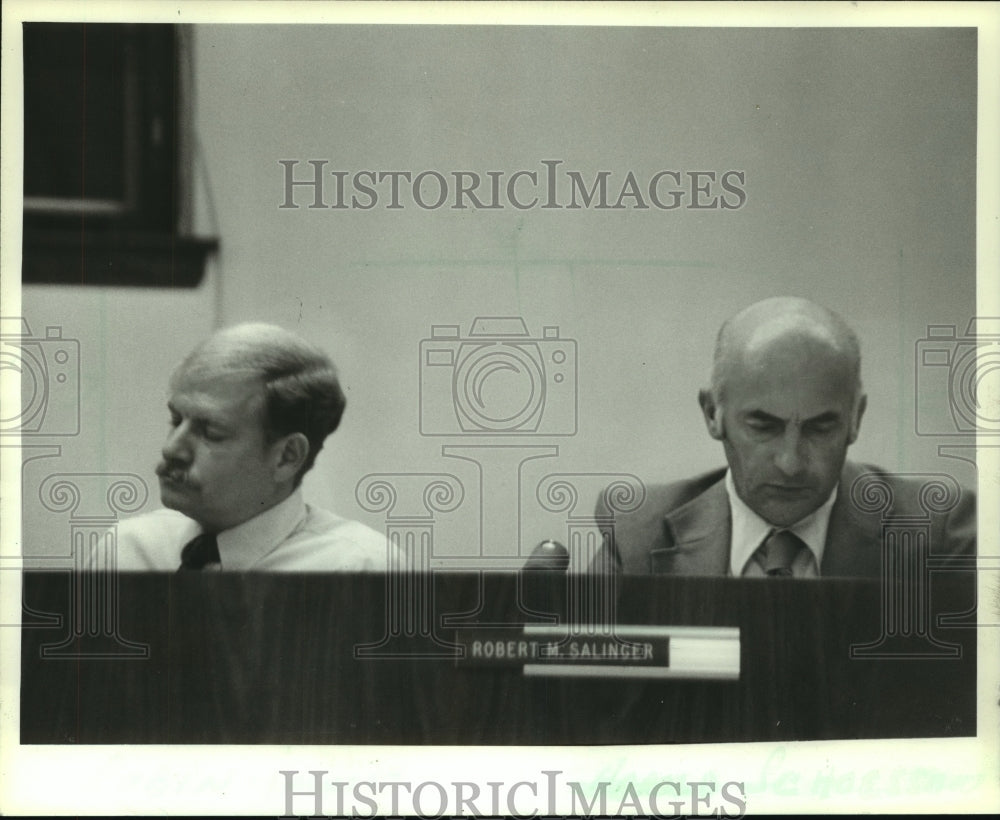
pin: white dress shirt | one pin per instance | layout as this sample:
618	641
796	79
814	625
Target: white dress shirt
749	531
289	537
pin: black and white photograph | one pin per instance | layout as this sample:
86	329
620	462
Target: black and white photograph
485	409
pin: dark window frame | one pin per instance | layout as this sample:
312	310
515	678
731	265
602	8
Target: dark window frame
87	219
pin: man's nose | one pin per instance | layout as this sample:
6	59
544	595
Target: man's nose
177	447
790	458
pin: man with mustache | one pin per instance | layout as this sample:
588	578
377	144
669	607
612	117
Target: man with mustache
250	409
786	402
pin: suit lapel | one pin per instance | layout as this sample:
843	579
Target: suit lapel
853	540
697	535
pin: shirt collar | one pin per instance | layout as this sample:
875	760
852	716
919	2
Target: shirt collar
245	544
750	530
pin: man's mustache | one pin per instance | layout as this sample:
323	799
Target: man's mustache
173	472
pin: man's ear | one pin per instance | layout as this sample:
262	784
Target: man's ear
291	453
859	411
712	412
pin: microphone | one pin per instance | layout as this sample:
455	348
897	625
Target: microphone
548	555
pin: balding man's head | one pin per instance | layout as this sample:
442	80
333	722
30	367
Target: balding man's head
302	393
774	328
786	402
250	409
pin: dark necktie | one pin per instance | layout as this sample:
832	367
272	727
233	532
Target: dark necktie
779	551
200	550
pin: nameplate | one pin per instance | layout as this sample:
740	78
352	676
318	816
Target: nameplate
680	652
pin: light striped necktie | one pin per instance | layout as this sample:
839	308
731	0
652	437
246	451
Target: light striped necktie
778	552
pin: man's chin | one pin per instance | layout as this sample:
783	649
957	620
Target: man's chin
171	503
785	515
172	498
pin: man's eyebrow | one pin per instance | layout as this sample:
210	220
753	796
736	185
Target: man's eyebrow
760	415
201	416
824	418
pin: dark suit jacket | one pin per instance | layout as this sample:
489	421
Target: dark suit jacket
684	528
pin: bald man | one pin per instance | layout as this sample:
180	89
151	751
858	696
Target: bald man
786	401
250	409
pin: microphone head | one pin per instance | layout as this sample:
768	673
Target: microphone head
548	555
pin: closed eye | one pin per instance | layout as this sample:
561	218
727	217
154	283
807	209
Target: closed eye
763	423
199	427
822	427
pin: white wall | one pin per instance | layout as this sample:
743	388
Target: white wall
858	148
